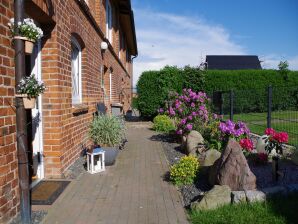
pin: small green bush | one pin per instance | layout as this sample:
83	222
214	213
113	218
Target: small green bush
185	171
162	123
106	130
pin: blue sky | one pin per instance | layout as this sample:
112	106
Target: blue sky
177	32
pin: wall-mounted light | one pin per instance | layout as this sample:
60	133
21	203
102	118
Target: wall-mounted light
103	46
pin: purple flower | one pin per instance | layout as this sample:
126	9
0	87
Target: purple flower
189	127
194	114
179	132
192	105
189	117
160	110
183	121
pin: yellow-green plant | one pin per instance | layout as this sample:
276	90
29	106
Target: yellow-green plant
184	172
162	123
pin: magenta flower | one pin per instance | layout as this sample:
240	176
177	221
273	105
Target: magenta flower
189	127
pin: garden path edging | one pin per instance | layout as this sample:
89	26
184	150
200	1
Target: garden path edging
262	194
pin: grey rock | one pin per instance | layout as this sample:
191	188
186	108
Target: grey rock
194	139
291	188
238	197
270	191
232	169
216	197
210	157
255	196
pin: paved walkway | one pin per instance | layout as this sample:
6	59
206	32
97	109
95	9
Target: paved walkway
130	192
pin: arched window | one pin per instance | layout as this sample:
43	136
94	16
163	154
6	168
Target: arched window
76	76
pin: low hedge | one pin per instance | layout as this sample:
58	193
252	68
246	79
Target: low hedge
249	87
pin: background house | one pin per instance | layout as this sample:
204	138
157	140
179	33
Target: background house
232	62
77	74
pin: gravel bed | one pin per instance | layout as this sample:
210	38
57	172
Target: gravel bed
194	191
36	217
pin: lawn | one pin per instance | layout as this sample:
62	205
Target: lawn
282	210
281	121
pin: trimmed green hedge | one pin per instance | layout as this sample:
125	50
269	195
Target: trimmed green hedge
249	87
153	89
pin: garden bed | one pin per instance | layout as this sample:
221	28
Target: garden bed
263	173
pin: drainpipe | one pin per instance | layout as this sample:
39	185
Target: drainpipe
21	129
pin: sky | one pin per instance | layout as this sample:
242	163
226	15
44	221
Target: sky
183	32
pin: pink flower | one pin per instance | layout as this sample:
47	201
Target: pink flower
269	131
281	137
246	144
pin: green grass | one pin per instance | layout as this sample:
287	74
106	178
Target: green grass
281	121
281	210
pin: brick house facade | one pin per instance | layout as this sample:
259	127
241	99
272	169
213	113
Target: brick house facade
77	74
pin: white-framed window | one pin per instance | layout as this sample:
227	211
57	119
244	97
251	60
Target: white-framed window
76	76
111	86
109	20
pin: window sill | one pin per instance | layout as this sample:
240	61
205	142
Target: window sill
79	109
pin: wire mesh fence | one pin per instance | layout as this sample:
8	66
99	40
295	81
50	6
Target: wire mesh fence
275	107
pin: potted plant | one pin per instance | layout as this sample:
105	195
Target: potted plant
28	31
29	89
107	131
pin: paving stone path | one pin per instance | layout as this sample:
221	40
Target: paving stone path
132	191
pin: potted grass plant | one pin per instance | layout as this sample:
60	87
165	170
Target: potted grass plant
29	89
28	31
107	132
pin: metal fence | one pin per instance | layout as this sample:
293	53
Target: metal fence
275	107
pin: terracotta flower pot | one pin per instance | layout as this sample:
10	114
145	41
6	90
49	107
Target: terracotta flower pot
29	103
29	44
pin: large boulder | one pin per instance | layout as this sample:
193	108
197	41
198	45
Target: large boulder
193	141
232	169
216	197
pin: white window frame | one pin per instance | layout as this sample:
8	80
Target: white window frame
111	86
77	98
109	21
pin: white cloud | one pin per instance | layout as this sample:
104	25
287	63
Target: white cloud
167	39
272	61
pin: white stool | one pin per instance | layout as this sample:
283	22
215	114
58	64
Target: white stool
96	161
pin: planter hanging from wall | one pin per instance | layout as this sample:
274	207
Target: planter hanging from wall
29	44
29	103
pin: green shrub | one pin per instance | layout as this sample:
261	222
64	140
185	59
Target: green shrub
154	87
193	78
106	130
162	123
185	171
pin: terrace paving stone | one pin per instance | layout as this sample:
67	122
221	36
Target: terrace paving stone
133	191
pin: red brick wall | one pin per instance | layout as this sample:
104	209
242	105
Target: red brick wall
64	132
9	192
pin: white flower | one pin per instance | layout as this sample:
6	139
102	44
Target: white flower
19	23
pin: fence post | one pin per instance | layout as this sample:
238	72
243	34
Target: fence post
269	108
231	105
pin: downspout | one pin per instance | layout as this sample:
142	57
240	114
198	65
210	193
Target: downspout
21	121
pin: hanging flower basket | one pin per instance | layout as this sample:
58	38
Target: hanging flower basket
29	44
29	103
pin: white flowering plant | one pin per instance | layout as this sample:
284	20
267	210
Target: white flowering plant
27	29
31	86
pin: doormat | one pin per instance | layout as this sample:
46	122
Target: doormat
46	192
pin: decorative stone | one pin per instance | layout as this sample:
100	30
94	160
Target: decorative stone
194	139
210	157
292	188
216	197
238	197
270	191
261	144
232	169
255	196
